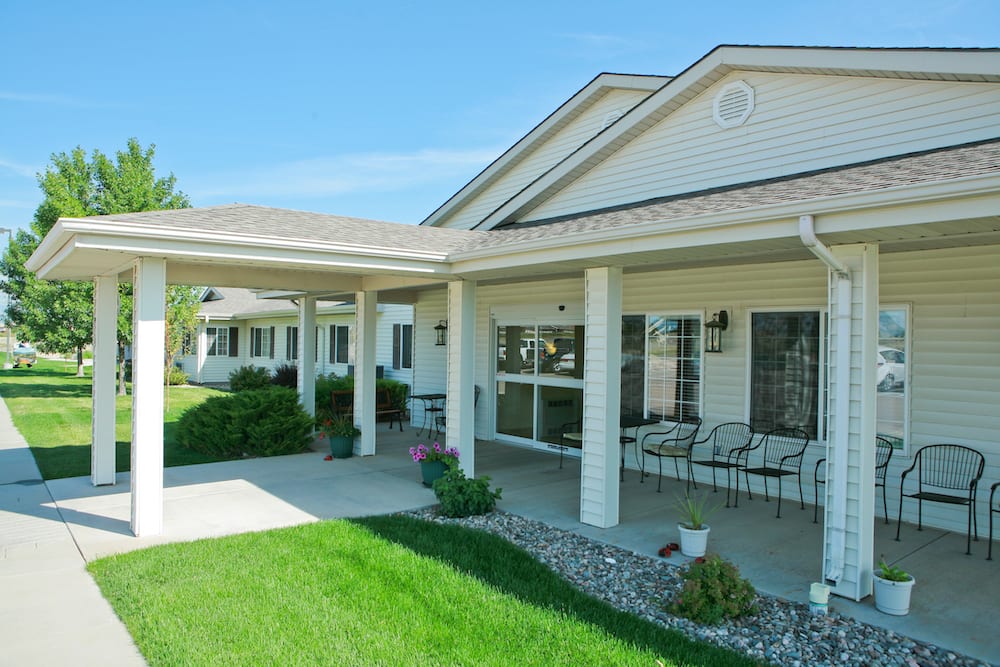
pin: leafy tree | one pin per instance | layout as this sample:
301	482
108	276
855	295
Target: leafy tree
58	315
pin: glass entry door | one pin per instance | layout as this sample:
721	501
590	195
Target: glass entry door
539	380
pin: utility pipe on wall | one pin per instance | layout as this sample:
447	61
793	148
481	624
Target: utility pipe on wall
842	364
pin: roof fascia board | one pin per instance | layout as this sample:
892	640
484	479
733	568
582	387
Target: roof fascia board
570	109
721	61
981	191
117	228
244	276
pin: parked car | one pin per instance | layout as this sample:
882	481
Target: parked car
566	363
24	354
891	368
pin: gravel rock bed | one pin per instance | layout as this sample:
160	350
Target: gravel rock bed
782	632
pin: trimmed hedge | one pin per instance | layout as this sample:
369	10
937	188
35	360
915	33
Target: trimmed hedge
257	422
246	378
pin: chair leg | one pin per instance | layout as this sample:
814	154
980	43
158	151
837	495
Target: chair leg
729	483
989	549
642	467
659	477
779	493
815	499
677	471
899	517
885	506
802	503
968	533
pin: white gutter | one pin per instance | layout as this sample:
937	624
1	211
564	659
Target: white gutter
837	525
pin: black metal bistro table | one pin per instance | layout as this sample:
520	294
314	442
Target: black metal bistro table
433	408
631	421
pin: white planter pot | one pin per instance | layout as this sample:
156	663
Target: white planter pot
893	597
693	542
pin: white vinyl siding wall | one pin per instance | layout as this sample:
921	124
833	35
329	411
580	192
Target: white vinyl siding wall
954	363
800	123
565	141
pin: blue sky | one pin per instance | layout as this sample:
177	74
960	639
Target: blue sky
376	109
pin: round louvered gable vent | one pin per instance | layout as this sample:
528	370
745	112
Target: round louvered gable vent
733	104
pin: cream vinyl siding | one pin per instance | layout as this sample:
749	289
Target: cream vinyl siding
954	363
388	315
800	123
430	361
565	141
217	369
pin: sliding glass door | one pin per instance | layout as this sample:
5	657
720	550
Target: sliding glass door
539	377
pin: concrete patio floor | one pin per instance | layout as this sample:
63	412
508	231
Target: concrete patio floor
953	602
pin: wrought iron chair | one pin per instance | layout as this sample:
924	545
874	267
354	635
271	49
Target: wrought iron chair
883	453
783	452
442	420
676	445
945	468
994	509
725	440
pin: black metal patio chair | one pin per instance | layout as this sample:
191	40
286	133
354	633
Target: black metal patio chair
883	453
783	451
942	468
994	509
676	445
725	440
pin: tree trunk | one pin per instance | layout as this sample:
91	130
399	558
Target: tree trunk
79	362
122	390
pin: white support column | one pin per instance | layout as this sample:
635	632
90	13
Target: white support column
148	339
307	355
460	405
849	510
364	369
102	449
202	348
601	397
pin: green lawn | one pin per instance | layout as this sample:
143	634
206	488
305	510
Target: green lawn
378	591
51	408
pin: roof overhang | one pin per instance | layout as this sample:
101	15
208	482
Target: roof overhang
81	249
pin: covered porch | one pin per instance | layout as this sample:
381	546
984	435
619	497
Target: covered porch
781	557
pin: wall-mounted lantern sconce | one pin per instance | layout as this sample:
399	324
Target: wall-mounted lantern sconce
714	329
440	332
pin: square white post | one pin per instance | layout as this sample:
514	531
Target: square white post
148	342
601	397
102	449
849	511
366	304
460	406
307	353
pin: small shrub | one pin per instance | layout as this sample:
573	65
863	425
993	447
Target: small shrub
246	378
286	375
460	496
174	376
714	591
258	422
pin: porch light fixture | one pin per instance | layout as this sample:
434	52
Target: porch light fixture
439	332
714	329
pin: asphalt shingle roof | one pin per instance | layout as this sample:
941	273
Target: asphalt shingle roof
246	220
926	167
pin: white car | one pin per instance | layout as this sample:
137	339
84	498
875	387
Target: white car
565	364
891	368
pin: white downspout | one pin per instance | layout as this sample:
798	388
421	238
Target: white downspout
842	364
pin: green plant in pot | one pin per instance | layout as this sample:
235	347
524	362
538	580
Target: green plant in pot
341	431
692	526
893	586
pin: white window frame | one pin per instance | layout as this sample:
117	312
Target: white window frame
260	349
217	341
908	308
675	314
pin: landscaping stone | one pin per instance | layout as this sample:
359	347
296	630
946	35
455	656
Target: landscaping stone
782	632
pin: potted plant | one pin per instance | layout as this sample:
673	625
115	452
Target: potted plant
892	589
341	431
692	526
434	461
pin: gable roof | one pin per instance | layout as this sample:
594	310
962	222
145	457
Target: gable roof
973	65
230	302
553	123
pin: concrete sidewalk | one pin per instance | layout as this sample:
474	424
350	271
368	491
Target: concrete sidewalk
51	611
